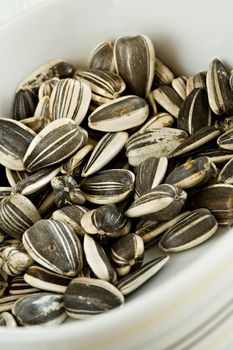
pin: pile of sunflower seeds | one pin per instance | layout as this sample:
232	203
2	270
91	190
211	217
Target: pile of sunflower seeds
98	164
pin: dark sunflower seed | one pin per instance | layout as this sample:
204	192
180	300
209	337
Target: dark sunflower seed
102	57
169	99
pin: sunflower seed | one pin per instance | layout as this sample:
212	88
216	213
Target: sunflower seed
14	176
13	261
216	198
12	152
102	83
70	98
36	123
98	260
163	201
3	286
47	87
121	114
41	278
162	74
19	286
17	214
135	61
55	246
102	57
169	99
7	302
105	150
189	232
108	186
136	279
71	215
218	88
151	230
127	253
179	85
160	142
25	102
45	309
66	191
61	70
195	172
196	81
56	142
195	112
196	140
226	174
47	205
217	155
160	120
36	181
225	123
5	192
106	220
72	165
85	297
7	320
150	174
225	141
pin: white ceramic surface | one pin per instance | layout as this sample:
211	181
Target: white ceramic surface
189	305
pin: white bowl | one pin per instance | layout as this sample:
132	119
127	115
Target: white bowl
189	304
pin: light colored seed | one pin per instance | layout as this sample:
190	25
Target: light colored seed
55	246
162	74
135	60
19	286
136	279
225	141
45	309
179	85
71	165
86	297
194	229
14	176
7	320
196	81
169	99
121	114
226	173
41	278
70	98
47	87
13	261
160	120
163	201
42	110
105	150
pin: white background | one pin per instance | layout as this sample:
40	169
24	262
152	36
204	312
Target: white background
11	8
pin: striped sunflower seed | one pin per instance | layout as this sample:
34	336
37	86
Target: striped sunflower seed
160	120
150	230
66	191
225	123
162	74
160	142
218	199
55	246
36	181
179	85
218	88
98	260
103	83
42	110
7	320
102	57
225	141
192	173
47	87
150	174
70	98
169	99
56	142
17	214
121	114
14	176
226	174
71	215
196	140
194	229
105	150
19	286
72	165
7	302
5	192
108	186
85	297
135	60
13	261
106	220
12	152
195	112
25	102
136	279
45	309
127	253
196	81
163	201
41	278
217	155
